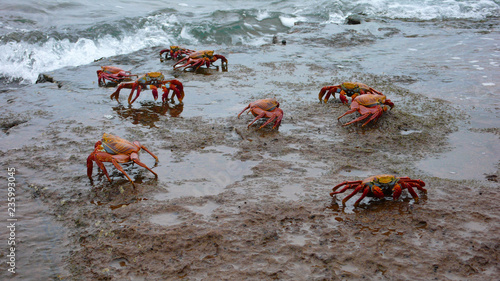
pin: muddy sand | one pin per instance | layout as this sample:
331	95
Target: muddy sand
232	203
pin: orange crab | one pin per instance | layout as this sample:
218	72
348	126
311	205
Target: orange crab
113	74
196	59
380	186
368	105
116	150
265	108
350	89
152	80
174	52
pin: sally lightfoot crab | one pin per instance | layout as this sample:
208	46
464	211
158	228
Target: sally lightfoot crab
113	74
380	186
116	150
265	108
174	52
199	58
368	105
152	80
350	89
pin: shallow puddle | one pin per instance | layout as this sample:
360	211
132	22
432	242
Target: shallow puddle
205	210
201	174
166	219
472	153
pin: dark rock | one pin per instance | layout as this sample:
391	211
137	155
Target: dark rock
44	78
353	19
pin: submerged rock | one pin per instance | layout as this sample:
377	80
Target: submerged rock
44	78
353	19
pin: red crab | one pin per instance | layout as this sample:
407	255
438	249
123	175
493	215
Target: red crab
197	59
368	105
152	80
380	186
350	89
265	108
116	150
174	52
113	74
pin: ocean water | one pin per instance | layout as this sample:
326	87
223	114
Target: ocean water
41	36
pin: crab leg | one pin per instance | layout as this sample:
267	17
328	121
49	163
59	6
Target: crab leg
145	149
121	170
256	118
189	61
412	192
375	91
197	65
138	87
278	121
349	183
243	110
418	186
357	119
349	186
181	61
374	116
116	94
365	192
135	157
268	121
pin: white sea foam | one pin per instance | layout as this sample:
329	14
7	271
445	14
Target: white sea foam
290	21
336	18
27	60
262	15
431	9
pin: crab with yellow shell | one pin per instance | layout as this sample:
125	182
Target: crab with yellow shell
174	53
380	186
349	89
152	80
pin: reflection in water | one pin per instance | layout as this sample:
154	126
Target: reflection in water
149	112
372	205
207	71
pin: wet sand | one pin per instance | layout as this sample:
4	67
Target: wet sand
233	203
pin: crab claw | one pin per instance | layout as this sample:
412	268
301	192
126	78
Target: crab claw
377	191
389	103
222	58
343	99
154	90
396	192
180	89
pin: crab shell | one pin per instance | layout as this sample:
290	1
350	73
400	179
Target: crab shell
351	88
268	108
116	145
266	104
